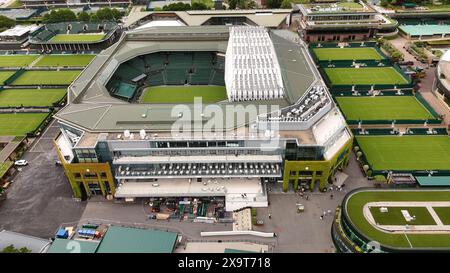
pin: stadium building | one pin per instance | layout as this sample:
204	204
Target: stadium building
133	126
270	18
75	36
342	21
69	3
443	75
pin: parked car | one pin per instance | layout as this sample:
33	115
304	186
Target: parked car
21	162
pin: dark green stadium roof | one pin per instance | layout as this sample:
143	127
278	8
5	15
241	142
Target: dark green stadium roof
135	240
437	181
232	250
73	246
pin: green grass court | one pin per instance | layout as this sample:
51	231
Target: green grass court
20	124
354	209
406	152
16	60
365	76
347	53
183	94
30	97
443	214
383	108
5	166
47	77
395	217
64	60
4	75
69	38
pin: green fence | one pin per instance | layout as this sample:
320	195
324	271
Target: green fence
426	105
362	93
412	131
14	76
331	44
397	122
349	63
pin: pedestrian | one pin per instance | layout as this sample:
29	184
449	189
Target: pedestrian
321	217
270	216
331	196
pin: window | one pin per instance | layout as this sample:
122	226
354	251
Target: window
292	173
305	173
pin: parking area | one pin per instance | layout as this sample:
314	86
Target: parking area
40	198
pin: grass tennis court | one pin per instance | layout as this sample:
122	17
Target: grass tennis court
443	214
20	124
347	53
4	75
30	97
183	94
35	77
16	60
383	108
354	210
65	60
63	38
406	152
395	217
367	76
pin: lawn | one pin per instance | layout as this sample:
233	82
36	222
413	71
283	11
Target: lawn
395	217
406	152
184	94
65	60
30	97
443	214
383	108
347	53
16	60
64	77
4	75
4	167
20	124
356	202
365	76
70	38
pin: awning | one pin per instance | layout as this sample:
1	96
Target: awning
433	181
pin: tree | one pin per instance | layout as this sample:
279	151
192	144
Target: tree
273	4
84	16
5	22
180	6
12	249
232	4
199	6
61	15
94	18
286	4
251	4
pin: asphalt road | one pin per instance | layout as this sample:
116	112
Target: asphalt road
40	198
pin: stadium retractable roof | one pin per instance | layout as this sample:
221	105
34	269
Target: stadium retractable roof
92	108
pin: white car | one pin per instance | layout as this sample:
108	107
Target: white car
21	162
